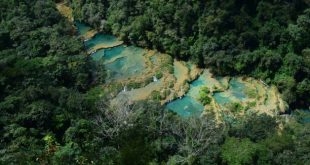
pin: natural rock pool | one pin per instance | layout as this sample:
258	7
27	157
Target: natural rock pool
121	62
129	63
190	103
99	39
186	106
234	93
82	28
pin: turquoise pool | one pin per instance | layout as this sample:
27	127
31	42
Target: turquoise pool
189	105
122	62
99	55
185	107
221	98
82	28
234	93
100	39
113	52
237	89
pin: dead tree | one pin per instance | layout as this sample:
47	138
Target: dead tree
195	135
115	116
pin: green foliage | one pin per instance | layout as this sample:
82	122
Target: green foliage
135	85
254	127
44	78
67	154
238	151
91	12
251	104
262	39
167	92
155	95
159	74
50	113
235	107
204	97
251	93
94	94
205	90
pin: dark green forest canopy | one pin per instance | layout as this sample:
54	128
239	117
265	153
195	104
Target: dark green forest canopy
44	76
50	111
265	39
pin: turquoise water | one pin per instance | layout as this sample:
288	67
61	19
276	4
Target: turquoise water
306	118
237	89
185	107
82	28
120	62
113	52
109	53
235	92
195	87
154	59
221	98
123	62
189	104
117	64
303	115
98	55
221	80
100	39
114	69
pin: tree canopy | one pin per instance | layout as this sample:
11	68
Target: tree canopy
52	110
265	39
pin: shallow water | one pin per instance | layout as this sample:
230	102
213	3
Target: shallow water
113	52
82	28
154	59
307	116
237	89
100	39
124	62
115	68
196	85
221	98
121	62
189	104
186	106
303	114
142	93
99	55
234	93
